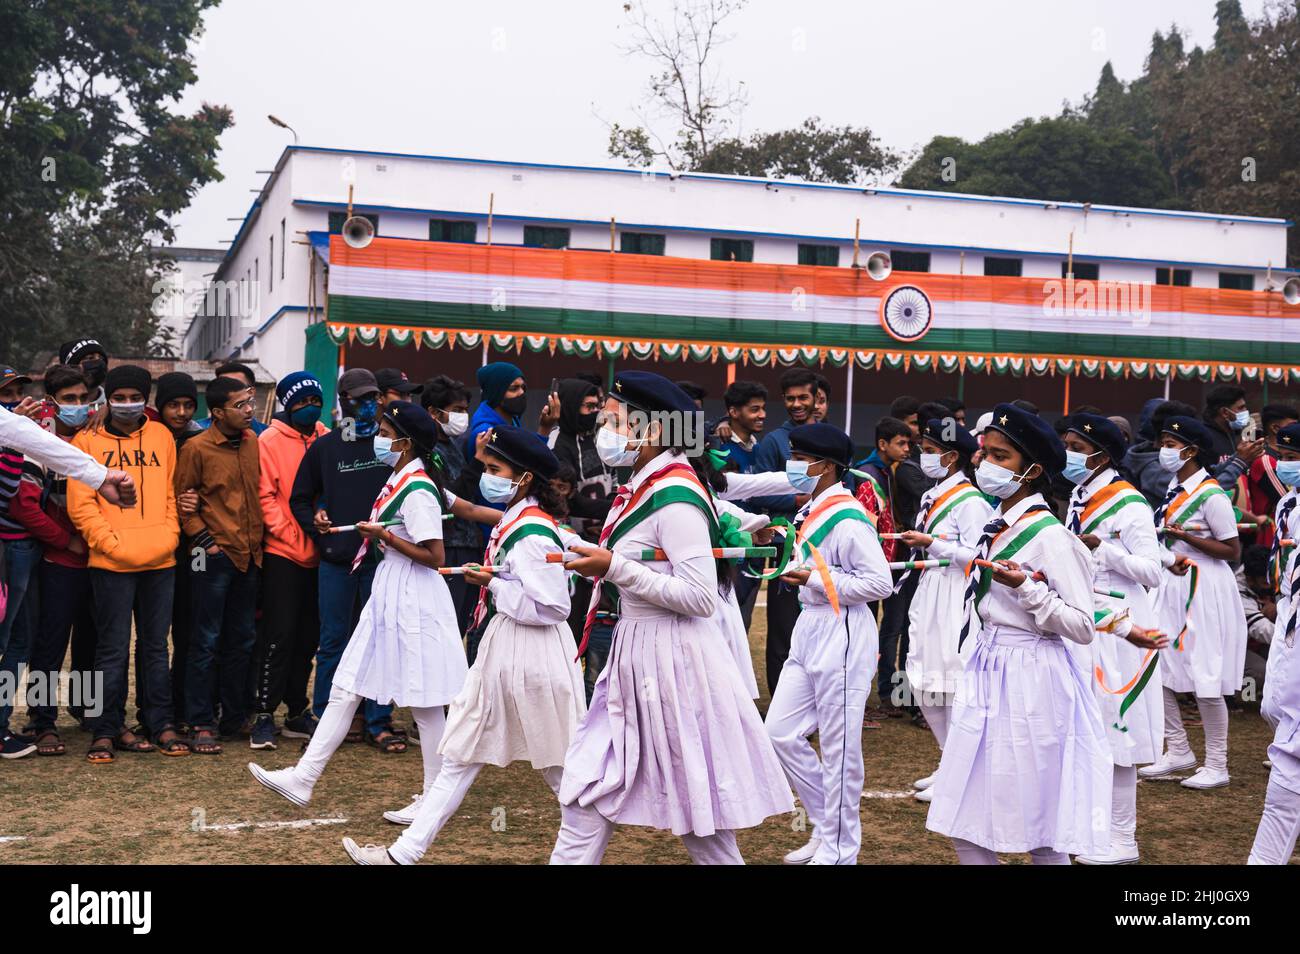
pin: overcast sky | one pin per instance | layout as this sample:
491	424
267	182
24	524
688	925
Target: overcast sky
528	80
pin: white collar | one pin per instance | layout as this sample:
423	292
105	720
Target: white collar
943	486
1099	480
1195	480
515	509
655	464
832	490
410	468
1018	511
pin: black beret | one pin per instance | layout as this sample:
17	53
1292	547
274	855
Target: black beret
959	439
412	421
1288	438
1033	435
523	448
1190	431
1100	432
648	391
128	376
822	440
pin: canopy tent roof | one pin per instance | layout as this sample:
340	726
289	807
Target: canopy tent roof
431	294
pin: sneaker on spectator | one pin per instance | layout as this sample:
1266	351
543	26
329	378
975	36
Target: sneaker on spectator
16	746
263	736
300	726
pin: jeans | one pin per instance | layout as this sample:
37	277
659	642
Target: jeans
342	595
21	558
222	634
150	591
182	621
287	635
894	624
67	610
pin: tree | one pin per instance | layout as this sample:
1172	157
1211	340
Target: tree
94	163
688	93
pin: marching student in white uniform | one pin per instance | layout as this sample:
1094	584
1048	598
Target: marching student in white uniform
1113	520
1026	766
827	677
406	648
1197	604
1275	839
949	522
671	740
523	697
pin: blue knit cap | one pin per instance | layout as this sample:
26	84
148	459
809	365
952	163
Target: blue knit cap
297	386
494	380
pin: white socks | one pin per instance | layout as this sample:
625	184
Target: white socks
1214	718
1123	806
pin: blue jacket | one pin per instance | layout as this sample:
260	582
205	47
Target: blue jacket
484	419
770	455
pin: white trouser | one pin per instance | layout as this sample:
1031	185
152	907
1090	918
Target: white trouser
1278	827
333	728
1214	717
830	789
937	716
1123	806
440	802
584	833
969	853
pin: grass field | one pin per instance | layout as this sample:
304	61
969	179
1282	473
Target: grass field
207	810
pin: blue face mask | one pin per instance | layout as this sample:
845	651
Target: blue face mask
1076	469
384	450
497	489
796	471
74	415
305	416
1241	420
1288	471
365	413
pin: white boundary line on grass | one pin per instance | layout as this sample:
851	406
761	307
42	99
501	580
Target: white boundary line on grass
5	838
888	794
302	823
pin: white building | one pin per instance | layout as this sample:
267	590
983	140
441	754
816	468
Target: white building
179	292
257	307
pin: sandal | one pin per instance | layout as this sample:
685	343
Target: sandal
357	730
133	744
205	742
101	752
388	742
171	743
48	742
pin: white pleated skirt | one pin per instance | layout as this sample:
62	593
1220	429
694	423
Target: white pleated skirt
672	739
1137	738
732	623
1281	703
934	664
1214	656
523	698
1026	764
406	649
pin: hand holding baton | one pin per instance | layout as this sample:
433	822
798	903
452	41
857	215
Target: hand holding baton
651	554
1042	578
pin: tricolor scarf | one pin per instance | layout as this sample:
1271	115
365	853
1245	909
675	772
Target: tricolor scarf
674	483
531	521
813	529
390	500
1188	503
1003	546
1107	502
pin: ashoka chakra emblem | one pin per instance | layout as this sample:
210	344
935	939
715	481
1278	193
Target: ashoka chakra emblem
906	313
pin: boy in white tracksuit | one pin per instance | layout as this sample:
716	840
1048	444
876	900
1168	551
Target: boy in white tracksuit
827	677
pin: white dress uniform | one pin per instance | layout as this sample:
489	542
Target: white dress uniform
1214	658
1129	564
1027	766
728	617
406	648
523	698
826	680
1275	839
672	739
934	664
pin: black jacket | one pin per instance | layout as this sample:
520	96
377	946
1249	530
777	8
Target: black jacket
343	478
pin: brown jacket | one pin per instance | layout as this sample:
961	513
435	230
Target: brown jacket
226	479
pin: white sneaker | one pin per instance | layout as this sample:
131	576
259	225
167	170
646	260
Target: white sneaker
802	856
924	795
405	816
282	782
1168	764
367	854
1206	777
921	784
1117	855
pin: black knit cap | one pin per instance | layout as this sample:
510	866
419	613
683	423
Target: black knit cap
128	376
522	448
71	352
173	385
1033	435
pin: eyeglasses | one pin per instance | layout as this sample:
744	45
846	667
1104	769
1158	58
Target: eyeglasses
243	405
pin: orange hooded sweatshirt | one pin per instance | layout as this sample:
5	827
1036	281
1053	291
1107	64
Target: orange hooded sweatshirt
129	539
281	449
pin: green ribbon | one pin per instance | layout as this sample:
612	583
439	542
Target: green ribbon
730	534
718	458
787	549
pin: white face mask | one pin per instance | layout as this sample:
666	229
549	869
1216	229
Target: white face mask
932	467
457	423
1171	459
614	448
996	481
